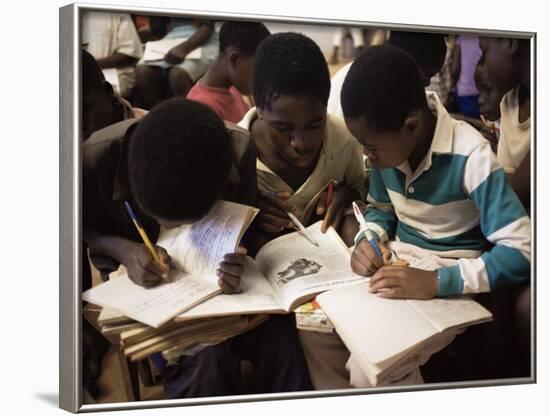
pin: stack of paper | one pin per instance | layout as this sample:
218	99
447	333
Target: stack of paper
172	338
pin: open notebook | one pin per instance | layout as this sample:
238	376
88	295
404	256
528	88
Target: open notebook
196	250
382	333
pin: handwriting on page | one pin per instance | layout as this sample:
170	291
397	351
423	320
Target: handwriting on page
172	296
152	306
198	248
201	247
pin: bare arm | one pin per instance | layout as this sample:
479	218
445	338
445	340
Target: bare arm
178	53
455	63
520	181
113	246
116	60
198	38
142	269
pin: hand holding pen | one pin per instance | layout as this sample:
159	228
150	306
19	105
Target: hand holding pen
273	217
276	214
368	255
146	263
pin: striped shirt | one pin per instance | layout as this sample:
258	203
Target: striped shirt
458	204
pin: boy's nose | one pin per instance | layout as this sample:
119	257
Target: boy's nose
298	140
368	154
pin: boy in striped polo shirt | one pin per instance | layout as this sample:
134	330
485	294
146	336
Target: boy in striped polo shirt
436	189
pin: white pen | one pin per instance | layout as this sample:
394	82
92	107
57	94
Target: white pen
302	228
364	227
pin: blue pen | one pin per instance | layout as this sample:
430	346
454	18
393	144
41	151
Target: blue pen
364	227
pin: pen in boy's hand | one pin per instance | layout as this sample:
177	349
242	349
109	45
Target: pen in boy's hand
146	241
364	227
303	229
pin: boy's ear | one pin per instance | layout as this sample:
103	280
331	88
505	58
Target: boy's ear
412	125
233	56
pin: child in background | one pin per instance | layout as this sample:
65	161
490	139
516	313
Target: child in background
427	49
101	106
300	148
442	82
489	106
508	66
113	41
175	74
466	54
508	63
436	188
172	166
340	33
231	74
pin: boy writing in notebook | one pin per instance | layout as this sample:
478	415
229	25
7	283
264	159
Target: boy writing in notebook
436	188
230	76
171	167
424	161
301	149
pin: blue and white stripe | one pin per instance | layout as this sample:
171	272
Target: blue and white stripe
458	201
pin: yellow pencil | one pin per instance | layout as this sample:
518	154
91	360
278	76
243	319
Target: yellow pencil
145	239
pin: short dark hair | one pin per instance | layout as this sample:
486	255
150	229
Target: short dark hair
245	36
92	75
427	49
179	159
289	64
383	85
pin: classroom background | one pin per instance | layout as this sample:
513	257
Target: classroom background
339	45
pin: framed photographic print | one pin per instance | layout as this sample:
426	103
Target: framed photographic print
256	207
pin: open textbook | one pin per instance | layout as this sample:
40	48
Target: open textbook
286	272
384	333
196	250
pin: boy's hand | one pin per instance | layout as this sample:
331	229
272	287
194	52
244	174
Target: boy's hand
342	196
176	55
142	269
272	217
404	282
365	261
230	271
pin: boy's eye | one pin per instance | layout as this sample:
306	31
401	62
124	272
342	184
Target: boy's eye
315	126
284	129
